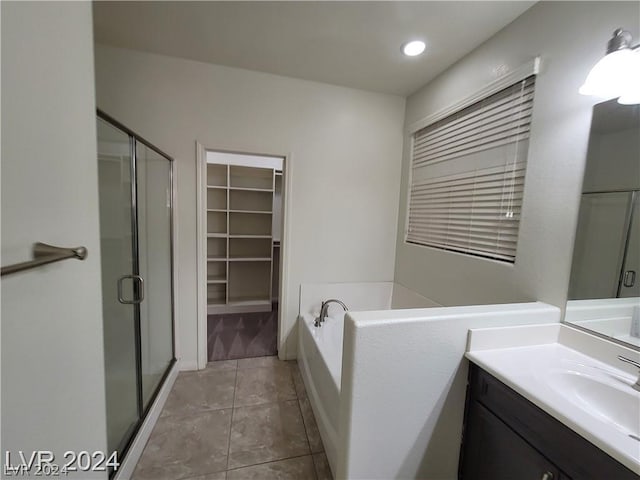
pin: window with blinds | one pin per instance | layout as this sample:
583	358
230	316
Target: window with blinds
467	176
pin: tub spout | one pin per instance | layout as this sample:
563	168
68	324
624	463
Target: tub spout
323	311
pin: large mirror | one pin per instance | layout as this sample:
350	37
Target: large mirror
604	290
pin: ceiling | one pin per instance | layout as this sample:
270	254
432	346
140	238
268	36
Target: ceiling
354	44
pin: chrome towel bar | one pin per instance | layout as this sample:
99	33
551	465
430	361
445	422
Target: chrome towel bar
43	254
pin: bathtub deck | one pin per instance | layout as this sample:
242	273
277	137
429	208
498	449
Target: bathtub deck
237	419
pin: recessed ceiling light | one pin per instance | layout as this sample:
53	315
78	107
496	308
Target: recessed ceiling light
411	49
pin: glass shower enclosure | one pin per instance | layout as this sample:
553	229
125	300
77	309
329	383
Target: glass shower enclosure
135	190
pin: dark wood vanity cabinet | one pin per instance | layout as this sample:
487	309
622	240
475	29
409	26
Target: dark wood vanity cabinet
506	437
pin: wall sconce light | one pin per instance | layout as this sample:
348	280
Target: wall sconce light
617	74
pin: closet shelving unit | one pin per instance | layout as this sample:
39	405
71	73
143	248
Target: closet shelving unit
239	238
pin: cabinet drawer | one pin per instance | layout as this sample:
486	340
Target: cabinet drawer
577	457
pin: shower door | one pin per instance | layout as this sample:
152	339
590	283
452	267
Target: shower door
153	172
629	285
134	184
119	319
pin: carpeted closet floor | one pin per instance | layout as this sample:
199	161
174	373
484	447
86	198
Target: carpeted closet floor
242	335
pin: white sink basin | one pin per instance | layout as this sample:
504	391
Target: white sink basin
600	393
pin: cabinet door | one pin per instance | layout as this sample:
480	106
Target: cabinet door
492	451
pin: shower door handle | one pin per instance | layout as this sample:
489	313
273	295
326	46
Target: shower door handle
629	278
140	296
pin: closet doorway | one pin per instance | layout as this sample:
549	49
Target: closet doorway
239	244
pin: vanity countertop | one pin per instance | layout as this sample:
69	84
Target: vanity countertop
573	376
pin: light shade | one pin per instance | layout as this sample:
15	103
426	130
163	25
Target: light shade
610	77
413	48
631	93
618	73
630	98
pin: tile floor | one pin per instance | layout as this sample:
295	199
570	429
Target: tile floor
237	419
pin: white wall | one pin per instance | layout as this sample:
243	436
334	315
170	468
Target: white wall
570	37
344	156
360	297
403	387
612	160
52	351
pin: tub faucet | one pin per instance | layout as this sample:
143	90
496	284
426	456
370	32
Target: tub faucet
323	311
636	386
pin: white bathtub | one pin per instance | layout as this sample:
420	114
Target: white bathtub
320	348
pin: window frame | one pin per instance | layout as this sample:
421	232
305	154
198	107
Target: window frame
531	69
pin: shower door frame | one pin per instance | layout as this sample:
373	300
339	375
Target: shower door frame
124	448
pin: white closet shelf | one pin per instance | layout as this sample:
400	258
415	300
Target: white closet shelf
217	187
216	235
216	301
217	259
220	210
265	212
249	259
245	235
216	279
248	301
249	189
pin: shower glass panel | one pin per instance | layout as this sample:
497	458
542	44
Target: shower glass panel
116	240
153	173
135	190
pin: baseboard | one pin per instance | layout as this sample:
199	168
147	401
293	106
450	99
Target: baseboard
129	463
188	365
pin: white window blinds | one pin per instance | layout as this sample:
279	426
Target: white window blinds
467	176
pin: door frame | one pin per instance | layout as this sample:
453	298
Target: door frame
201	271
